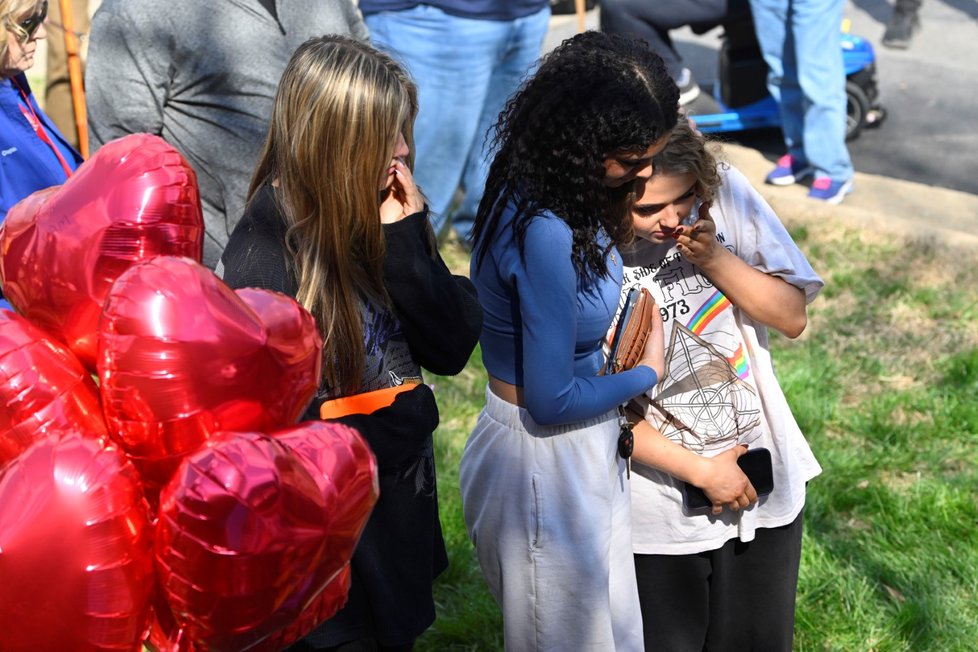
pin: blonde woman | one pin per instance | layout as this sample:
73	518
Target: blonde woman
335	220
35	154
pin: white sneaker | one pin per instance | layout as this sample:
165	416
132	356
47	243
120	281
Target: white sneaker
689	90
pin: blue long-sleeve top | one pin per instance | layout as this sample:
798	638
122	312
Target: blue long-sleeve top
27	163
544	324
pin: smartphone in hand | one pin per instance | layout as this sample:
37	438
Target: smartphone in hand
756	465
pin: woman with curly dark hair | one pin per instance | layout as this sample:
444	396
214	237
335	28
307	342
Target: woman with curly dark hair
544	487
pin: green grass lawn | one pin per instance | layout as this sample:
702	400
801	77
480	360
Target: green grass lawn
885	385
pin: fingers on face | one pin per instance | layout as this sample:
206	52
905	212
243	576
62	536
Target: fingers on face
704	211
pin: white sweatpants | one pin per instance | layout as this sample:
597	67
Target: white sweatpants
548	509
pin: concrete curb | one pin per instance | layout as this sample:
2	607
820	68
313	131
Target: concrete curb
927	215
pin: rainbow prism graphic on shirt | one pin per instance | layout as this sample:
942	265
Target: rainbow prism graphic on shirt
703	401
715	305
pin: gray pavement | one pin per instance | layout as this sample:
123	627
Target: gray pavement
917	173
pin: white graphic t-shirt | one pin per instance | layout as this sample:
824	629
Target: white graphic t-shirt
719	388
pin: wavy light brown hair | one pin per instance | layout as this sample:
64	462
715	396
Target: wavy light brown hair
339	109
690	151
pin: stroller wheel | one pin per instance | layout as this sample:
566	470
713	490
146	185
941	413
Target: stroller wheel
857	110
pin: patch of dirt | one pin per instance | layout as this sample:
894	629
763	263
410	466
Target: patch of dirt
899	480
891	320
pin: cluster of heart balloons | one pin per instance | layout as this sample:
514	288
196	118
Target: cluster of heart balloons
155	486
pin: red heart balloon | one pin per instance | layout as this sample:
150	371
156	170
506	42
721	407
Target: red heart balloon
43	388
183	356
75	548
332	599
345	470
63	247
242	529
163	634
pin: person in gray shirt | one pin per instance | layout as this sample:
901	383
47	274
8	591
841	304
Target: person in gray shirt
202	75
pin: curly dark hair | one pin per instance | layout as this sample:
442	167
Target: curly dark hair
594	96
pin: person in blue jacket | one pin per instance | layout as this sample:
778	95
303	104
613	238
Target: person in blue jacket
33	153
543	478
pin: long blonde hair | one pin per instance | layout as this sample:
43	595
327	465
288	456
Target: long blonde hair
11	12
339	109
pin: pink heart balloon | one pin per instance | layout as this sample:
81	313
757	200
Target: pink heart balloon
63	247
183	356
43	388
75	548
242	528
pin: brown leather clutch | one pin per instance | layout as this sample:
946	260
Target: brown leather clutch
634	326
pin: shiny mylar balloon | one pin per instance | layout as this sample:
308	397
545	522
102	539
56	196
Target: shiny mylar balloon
346	471
332	599
43	388
242	531
63	247
182	356
163	634
76	565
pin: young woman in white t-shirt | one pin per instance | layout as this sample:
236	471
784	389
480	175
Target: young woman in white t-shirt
723	270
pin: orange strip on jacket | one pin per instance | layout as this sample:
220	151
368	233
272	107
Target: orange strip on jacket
363	403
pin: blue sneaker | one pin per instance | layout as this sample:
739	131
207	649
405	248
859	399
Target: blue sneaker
826	190
789	171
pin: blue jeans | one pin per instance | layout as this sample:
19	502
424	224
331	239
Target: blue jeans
800	43
465	70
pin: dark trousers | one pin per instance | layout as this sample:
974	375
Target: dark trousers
740	597
651	20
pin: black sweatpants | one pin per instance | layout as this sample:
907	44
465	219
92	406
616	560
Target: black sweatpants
737	598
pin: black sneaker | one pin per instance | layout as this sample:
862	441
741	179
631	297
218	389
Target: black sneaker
689	90
901	29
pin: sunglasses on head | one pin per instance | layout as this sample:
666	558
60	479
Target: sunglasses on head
31	24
